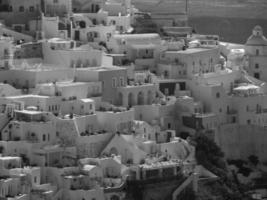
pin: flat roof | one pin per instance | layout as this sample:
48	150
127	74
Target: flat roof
143	46
31	112
9	158
137	36
246	87
38	67
190	50
88	100
101	68
27	96
66	84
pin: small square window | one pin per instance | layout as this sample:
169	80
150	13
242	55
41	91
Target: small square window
257	75
31	8
21	9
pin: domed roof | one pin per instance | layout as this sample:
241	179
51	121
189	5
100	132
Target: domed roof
257	38
257	28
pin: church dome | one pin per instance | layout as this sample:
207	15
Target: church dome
257	38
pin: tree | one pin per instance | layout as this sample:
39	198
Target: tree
253	159
208	153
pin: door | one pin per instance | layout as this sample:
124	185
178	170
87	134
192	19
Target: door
77	35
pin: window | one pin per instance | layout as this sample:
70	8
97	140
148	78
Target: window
31	9
35	179
220	110
114	82
217	95
169	125
257	75
44	137
234	120
94	21
6	52
256	65
91	106
257	52
121	81
248	121
21	9
55	1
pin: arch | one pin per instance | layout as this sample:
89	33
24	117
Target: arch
120	99
131	99
140	98
114	151
149	97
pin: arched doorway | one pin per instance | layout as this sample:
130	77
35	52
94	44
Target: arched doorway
140	98
130	99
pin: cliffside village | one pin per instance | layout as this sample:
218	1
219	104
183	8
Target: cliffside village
90	108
